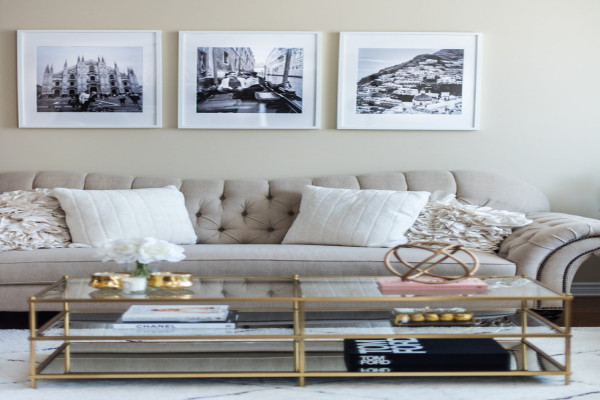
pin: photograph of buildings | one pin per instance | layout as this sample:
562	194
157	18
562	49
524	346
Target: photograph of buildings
409	81
89	79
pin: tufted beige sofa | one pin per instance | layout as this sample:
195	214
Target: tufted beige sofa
240	225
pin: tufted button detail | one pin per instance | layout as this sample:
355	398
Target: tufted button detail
221	229
222	198
198	214
291	213
270	229
269	197
244	214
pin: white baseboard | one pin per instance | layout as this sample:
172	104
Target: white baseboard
585	289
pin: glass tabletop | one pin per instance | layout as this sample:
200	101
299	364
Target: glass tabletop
296	288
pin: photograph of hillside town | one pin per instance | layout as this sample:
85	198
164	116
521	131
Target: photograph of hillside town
409	81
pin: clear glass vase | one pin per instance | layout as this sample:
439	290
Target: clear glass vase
142	270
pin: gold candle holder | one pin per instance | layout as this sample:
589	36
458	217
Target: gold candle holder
107	280
171	280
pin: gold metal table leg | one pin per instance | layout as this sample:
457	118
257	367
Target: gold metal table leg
67	322
299	346
524	333
567	310
32	344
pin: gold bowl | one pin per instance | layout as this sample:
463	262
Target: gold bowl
172	280
107	280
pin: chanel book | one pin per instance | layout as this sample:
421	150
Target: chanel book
176	313
229	323
402	355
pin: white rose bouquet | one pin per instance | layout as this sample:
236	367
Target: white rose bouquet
142	252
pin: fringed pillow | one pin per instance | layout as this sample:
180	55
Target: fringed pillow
32	219
446	219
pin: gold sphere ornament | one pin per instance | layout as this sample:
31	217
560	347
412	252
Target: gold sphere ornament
440	251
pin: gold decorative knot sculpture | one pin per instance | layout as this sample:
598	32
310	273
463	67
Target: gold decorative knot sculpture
440	251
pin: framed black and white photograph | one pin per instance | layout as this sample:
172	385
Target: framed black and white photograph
89	79
409	81
249	80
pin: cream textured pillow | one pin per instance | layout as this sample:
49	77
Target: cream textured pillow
347	217
95	216
31	219
476	228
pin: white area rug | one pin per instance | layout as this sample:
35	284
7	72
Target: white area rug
14	383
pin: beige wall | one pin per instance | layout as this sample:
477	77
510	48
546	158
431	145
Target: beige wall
539	109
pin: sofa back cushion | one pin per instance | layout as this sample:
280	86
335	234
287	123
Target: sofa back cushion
97	216
262	211
347	217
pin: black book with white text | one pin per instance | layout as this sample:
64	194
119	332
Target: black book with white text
395	355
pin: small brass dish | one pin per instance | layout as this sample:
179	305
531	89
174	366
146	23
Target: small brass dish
107	280
171	280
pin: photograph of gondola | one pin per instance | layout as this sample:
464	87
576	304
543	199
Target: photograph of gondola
249	80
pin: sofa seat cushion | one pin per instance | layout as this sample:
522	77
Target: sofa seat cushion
233	260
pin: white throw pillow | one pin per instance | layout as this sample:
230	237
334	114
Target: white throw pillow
347	217
32	219
476	228
95	216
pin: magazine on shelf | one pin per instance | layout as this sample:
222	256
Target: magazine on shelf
176	313
410	354
229	323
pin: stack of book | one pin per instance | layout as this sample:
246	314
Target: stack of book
177	317
417	355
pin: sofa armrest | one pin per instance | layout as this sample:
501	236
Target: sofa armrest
552	247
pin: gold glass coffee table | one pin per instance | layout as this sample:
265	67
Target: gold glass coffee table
287	327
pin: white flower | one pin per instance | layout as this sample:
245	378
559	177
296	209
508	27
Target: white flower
122	250
143	251
152	249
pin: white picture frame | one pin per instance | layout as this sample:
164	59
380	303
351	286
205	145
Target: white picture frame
266	60
409	81
55	67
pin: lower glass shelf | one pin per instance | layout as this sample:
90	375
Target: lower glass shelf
101	326
245	359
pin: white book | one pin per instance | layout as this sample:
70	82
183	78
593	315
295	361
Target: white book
229	323
176	313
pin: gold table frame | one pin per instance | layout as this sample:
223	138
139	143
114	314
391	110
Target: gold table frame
298	303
